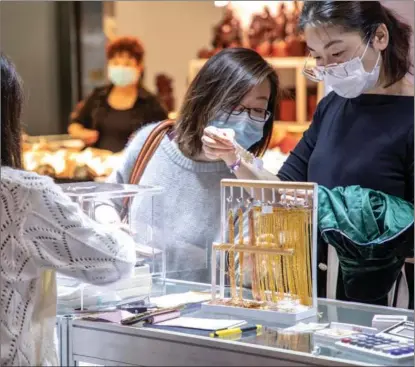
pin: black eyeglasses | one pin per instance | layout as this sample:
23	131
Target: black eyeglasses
256	114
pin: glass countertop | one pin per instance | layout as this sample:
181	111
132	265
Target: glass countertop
274	337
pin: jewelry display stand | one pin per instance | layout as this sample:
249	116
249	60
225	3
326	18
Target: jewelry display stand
274	250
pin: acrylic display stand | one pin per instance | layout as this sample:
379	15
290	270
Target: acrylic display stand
106	203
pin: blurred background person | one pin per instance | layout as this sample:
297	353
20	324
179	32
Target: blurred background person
108	117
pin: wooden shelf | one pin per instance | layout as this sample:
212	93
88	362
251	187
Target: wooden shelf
290	62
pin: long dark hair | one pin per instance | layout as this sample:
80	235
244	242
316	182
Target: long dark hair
11	106
365	17
221	84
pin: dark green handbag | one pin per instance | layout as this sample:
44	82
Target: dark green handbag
372	233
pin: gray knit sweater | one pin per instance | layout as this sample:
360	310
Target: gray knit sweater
190	211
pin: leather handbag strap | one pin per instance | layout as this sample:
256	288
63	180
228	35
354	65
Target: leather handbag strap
147	151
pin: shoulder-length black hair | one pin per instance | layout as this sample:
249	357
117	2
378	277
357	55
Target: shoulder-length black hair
221	84
365	17
11	106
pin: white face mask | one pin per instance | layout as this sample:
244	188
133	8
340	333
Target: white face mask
350	79
122	76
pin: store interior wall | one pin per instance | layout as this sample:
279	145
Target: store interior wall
28	36
172	33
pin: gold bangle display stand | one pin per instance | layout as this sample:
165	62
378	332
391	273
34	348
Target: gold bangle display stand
276	225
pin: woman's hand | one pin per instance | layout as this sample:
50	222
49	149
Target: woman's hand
89	136
218	144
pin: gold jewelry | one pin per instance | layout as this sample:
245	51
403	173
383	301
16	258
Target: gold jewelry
279	245
241	253
231	264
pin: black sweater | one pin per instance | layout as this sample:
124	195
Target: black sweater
366	141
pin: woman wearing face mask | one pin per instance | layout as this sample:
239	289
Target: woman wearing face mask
235	89
363	131
108	117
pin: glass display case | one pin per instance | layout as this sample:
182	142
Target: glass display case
139	210
117	205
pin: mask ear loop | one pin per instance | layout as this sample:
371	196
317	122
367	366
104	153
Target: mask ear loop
377	62
364	53
221	113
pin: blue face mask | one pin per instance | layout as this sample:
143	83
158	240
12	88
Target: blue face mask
247	131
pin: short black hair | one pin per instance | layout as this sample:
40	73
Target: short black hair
11	107
222	83
365	17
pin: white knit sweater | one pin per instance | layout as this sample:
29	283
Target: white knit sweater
43	231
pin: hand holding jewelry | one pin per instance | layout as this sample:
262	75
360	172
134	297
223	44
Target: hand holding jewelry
221	144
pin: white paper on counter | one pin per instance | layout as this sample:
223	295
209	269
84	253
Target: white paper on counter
202	324
180	299
306	328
